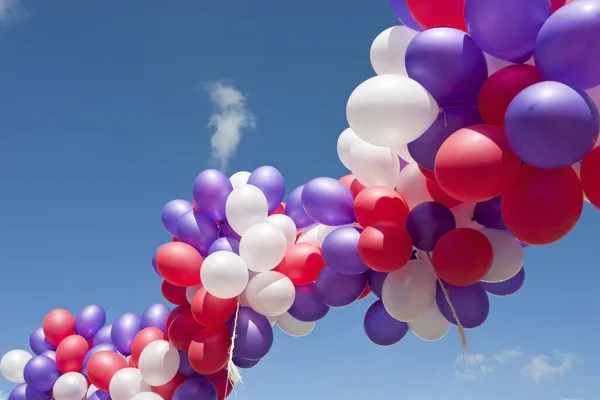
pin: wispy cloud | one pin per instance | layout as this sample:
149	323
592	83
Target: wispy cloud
3	396
229	120
569	398
543	367
470	366
9	10
504	356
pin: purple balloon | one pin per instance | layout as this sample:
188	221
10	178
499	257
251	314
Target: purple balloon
567	49
506	29
155	315
51	354
123	332
211	189
339	290
295	210
34	394
307	305
39	343
225	244
507	287
244	363
94	350
254	335
488	214
400	9
185	368
428	222
18	393
89	321
225	230
172	211
471	303
154	263
40	373
375	280
447	63
381	328
103	336
340	251
403	163
198	230
99	395
451	118
328	201
550	125
270	181
196	389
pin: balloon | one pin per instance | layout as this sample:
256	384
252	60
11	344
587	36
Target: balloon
224	274
94	394
197	229
344	144
328	201
123	332
302	263
147	396
70	353
94	350
555	55
338	290
307	306
185	369
431	326
158	363
427	223
225	230
102	366
270	293
173	294
209	310
341	253
507	287
70	386
506	29
471	304
196	389
381	328
155	315
508	256
543	205
262	247
295	210
488	214
209	350
389	48
40	373
221	381
225	244
246	206
310	235
103	336
183	329
412	186
211	190
590	176
89	321
502	87
353	184
404	15
254	335
172	211
270	181
23	392
143	339
447	63
240	178
127	383
378	204
434	13
476	164
550	125
50	354
438	195
464	216
375	281
286	225
58	324
13	364
243	363
38	342
179	263
390	110
385	246
294	327
373	165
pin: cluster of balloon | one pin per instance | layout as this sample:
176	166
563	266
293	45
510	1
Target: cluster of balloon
476	138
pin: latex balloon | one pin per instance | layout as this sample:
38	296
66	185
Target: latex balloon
13	364
508	256
211	190
179	263
341	252
344	144
302	263
240	178
270	181
172	211
196	388
374	165
70	353
412	186
294	327
389	48
353	184
427	223
39	343
262	247
102	366
338	290
438	195
89	321
127	383
221	382
307	305
173	294
147	396
381	328
404	15
70	386
143	339
432	13
385	246
246	206
431	326
286	225
57	325
183	329
379	204
328	201
167	390
209	350
270	293
471	304
590	176
224	274
123	331
295	210
507	287
254	334
158	363
209	310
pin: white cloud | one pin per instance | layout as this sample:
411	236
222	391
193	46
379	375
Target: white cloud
3	396
8	10
470	366
543	367
568	398
504	356
229	120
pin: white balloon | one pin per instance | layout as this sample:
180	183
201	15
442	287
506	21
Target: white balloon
240	178
409	292
412	186
373	165
147	396
508	256
126	383
402	152
70	386
13	364
310	235
389	50
262	247
224	274
270	293
159	362
390	110
91	390
190	292
294	327
324	231
344	144
287	226
464	216
273	320
431	326
246	206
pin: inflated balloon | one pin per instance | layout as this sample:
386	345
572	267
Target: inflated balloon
270	293
328	201
373	165
143	339
470	303
389	48
173	294
179	263
211	190
464	215
221	382
262	247
57	325
89	321
254	335
225	230
246	206
489	214
183	329
209	350
198	230
433	13
438	195
427	223
353	184
590	176
158	363
375	281
172	211
69	386
244	363
155	315
431	326
38	342
40	373
238	179
412	186
295	210
339	290
307	305
209	310
196	388
507	287
270	181
294	327
379	204
381	328
341	251
344	144
286	225
13	364
508	256
148	396
400	9
124	330
70	353
167	390
127	383
385	246
302	263
224	274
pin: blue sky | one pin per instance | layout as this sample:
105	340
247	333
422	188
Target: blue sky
103	119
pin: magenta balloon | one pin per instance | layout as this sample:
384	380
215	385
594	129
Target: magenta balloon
328	201
172	211
471	304
198	230
211	189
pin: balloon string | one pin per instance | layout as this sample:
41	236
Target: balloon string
234	377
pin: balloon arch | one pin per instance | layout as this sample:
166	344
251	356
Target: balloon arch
462	151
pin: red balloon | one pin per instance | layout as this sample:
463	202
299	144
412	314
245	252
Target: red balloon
590	176
102	366
436	13
353	184
365	293
174	239
462	257
209	310
427	173
183	329
501	88
279	210
166	391
302	263
57	325
385	246
131	363
209	351
556	4
143	339
380	204
476	164
437	194
179	263
173	294
221	381
543	205
70	353
174	314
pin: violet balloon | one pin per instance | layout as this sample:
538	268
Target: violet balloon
94	350
471	304
307	305
400	9
172	211
34	394
198	230
18	393
51	354
340	251
375	280
99	395
550	125
225	230
40	373
103	336
254	334
124	330
155	315
39	343
339	290
195	389
295	210
488	214
211	189
508	287
447	63
427	223
328	201
270	181
185	369
244	363
381	328
89	321
225	244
